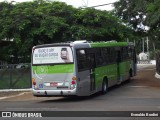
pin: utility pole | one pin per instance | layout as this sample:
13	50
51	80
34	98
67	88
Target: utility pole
153	44
97	5
143	44
127	40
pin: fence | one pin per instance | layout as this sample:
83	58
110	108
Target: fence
15	76
143	62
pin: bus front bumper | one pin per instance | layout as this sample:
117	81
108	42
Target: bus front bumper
47	93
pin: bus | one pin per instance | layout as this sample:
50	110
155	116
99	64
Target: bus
81	68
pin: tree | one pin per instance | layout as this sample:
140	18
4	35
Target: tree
29	24
43	22
132	11
141	14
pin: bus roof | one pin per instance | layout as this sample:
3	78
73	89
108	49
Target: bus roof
108	44
91	44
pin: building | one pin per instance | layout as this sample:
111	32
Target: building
143	56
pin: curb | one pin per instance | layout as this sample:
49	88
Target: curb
16	90
145	64
6	91
2	98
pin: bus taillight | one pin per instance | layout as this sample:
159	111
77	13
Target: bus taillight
73	78
73	82
33	81
73	85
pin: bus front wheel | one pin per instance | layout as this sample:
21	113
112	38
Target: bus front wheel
104	87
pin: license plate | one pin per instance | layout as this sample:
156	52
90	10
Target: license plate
53	84
40	85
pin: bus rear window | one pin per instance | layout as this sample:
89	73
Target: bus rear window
52	55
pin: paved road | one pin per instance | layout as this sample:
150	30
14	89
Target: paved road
140	94
145	66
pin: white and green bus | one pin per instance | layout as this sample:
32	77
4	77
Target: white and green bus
81	68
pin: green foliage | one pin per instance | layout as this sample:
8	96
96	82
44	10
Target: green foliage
43	22
152	55
132	11
140	13
136	12
153	16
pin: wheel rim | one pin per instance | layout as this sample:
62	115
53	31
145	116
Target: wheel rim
105	87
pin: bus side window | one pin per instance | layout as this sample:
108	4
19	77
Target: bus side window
111	55
91	61
130	52
82	60
99	57
113	52
126	56
90	56
134	56
124	52
104	50
106	55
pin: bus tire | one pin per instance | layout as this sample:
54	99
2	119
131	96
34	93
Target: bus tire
104	86
130	73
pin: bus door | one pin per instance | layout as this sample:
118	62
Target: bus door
133	57
92	71
83	75
134	62
118	65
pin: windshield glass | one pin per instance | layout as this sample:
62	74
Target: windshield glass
51	55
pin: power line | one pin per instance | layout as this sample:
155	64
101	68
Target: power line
99	5
86	3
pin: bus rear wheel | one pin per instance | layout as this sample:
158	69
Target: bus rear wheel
104	87
130	73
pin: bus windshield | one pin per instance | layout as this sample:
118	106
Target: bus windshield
52	55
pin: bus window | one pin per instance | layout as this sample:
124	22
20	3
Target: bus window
130	52
113	55
52	55
125	54
99	58
82	60
110	55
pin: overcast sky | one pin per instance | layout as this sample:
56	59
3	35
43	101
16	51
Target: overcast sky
81	3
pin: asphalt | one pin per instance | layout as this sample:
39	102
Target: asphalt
140	94
9	93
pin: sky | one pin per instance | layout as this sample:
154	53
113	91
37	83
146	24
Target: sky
80	3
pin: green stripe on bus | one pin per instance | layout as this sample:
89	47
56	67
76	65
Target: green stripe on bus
108	44
124	67
46	69
110	71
